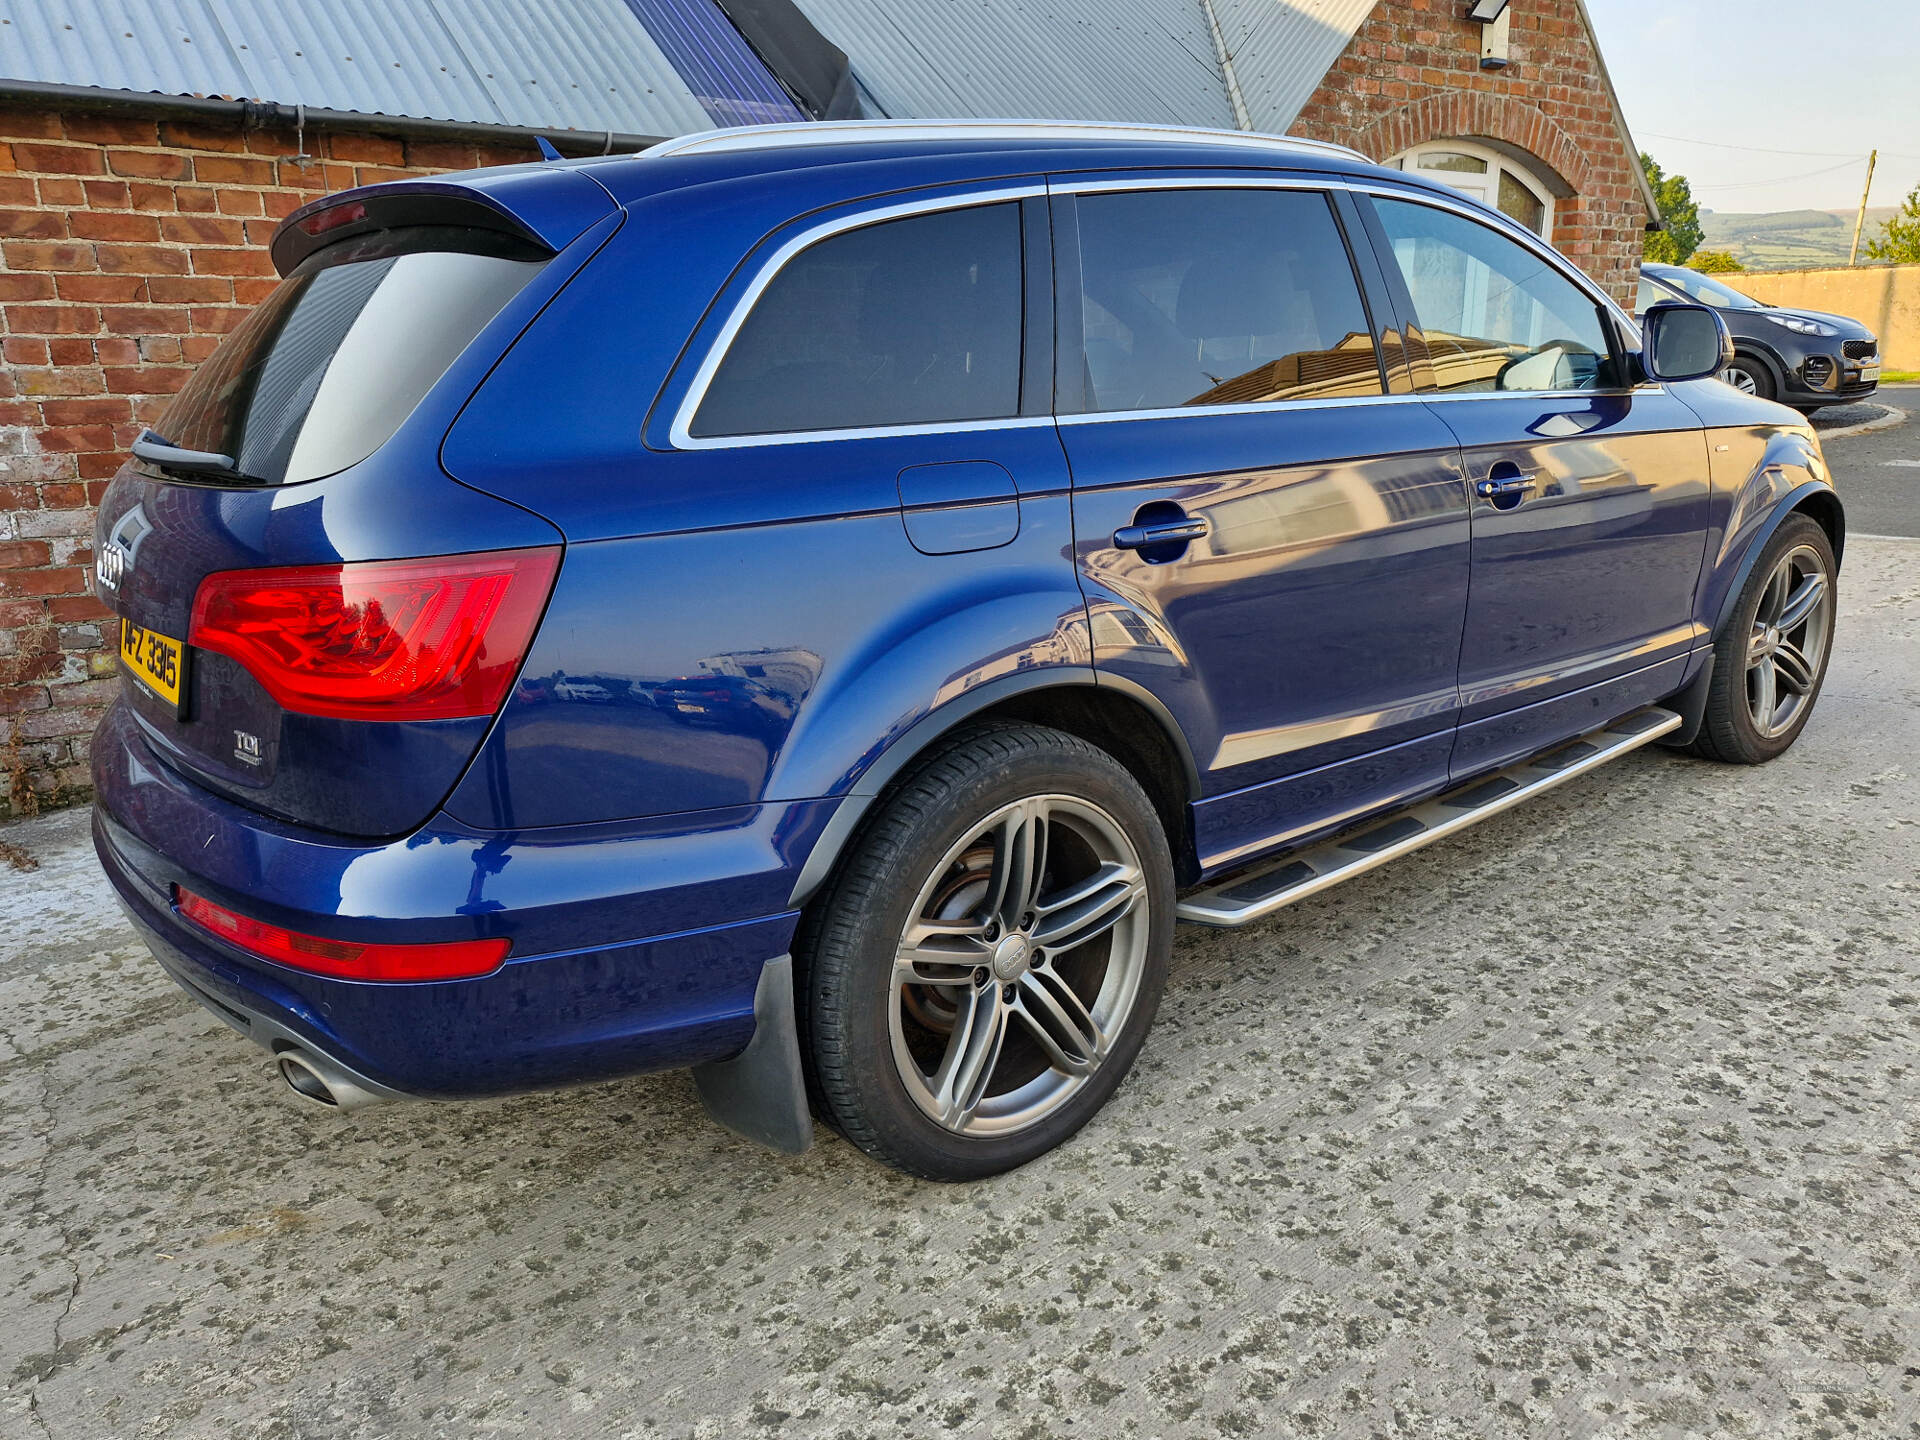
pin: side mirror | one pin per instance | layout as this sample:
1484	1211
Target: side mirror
1684	342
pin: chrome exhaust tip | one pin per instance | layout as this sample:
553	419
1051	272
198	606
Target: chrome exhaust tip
321	1083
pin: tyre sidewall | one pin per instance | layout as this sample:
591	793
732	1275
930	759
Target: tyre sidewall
905	863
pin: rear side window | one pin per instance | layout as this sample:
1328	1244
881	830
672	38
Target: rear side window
323	372
1494	314
908	322
1219	297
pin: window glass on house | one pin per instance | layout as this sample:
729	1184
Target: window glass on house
1219	297
1494	314
908	322
1490	176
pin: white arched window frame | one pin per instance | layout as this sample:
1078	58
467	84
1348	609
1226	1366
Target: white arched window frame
1487	175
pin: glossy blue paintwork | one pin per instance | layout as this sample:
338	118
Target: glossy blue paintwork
746	642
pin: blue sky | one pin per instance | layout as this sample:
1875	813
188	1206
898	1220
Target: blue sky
1827	80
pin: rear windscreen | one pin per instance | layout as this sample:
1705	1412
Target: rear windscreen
323	372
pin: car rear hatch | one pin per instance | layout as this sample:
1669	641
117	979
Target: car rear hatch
315	619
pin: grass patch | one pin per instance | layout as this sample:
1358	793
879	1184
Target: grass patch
1900	377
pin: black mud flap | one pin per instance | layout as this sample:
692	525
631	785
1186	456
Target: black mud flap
1691	705
760	1094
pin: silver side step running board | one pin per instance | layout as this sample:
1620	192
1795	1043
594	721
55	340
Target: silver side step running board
1253	895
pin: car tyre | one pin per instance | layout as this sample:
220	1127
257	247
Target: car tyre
1751	376
1770	660
983	969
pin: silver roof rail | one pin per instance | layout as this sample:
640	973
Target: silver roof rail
878	132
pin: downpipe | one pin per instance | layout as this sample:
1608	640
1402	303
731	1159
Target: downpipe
319	1082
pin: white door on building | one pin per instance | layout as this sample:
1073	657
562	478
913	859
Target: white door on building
1487	175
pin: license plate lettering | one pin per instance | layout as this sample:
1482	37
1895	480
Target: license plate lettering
154	660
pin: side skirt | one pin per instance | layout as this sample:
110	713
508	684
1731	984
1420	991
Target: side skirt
1255	894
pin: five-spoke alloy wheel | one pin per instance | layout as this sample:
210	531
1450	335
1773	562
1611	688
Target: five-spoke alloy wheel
985	969
1771	656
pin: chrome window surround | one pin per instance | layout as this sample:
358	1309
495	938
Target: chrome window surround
815	133
679	432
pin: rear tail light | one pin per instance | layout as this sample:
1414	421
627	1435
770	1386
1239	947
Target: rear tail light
346	959
435	639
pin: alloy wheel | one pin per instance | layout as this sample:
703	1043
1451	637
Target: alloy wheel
1788	646
1021	965
1741	379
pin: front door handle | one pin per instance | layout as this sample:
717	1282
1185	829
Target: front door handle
1160	532
1500	487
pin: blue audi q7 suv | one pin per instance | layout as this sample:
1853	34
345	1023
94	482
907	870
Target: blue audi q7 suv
817	604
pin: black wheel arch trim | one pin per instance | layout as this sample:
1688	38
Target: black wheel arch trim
929	728
1794	502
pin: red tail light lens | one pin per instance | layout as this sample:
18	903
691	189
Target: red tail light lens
435	639
346	959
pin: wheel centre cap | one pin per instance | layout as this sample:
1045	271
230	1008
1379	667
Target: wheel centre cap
1010	957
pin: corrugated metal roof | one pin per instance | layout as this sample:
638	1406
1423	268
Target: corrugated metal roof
561	64
1282	51
1145	60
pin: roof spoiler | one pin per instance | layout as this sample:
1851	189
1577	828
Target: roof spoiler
541	206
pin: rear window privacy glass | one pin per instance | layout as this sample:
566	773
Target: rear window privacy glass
1219	297
329	365
907	322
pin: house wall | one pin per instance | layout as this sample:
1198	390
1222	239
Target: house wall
128	247
1412	74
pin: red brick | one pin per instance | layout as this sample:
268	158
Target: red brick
52	319
185	135
15	190
282	203
33	224
24	554
17	583
117	351
106	194
188	289
61	192
159	350
30	125
370	149
147	380
232	170
441	155
114	225
99	410
151	197
143	319
56	159
17	350
47	255
202	230
211	320
239	202
71	380
141	260
101	289
253	291
102	467
195	348
193	201
27	286
232	262
111	129
68	350
150	164
75	438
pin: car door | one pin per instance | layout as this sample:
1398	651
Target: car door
1270	544
1589	493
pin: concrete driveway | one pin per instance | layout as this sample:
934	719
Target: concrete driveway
1597	1121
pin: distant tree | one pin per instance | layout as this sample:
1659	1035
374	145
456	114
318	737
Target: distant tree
1899	238
1673	245
1714	262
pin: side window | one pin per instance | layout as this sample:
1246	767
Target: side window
1495	315
908	322
1219	297
1649	295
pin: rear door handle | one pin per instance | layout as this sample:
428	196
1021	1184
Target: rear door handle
1161	532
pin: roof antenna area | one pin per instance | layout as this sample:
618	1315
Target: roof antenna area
547	152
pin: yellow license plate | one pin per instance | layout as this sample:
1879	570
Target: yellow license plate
155	661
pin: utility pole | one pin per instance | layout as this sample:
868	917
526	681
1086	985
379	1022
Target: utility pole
1861	223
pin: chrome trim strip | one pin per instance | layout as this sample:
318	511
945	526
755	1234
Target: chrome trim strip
679	433
813	133
1250	745
1339	861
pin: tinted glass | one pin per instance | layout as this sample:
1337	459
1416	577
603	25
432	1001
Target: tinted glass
1522	204
325	369
909	322
1495	315
1219	297
1709	292
1651	294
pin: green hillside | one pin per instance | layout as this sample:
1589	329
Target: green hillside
1789	239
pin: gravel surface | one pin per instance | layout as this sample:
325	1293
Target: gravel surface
1878	473
1598	1120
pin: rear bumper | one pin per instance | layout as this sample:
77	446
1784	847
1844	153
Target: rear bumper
579	998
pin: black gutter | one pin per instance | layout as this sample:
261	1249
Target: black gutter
265	114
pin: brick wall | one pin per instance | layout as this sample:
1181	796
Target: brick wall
1412	74
128	247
